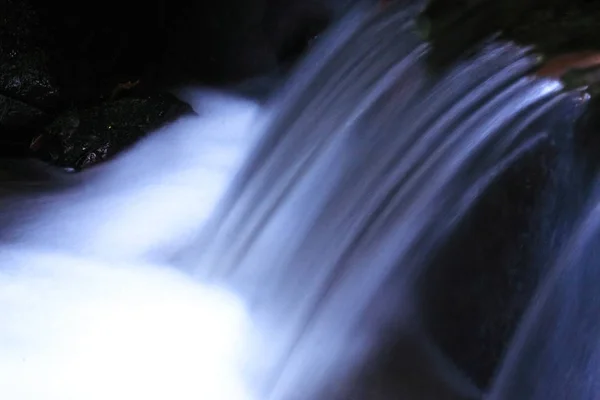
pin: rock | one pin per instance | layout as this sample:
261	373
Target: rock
79	139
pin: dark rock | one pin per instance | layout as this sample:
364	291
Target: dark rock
27	90
15	114
24	76
24	72
79	139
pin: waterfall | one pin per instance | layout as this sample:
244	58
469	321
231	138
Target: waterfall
293	249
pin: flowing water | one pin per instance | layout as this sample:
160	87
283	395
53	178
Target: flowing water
306	234
369	163
555	352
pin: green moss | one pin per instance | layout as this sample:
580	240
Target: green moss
559	29
552	27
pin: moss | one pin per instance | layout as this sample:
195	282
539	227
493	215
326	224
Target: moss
552	27
559	29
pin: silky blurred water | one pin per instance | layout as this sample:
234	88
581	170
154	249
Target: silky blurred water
375	231
369	162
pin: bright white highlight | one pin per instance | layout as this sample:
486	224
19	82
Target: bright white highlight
78	329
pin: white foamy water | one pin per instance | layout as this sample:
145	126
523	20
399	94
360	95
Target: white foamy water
89	311
75	328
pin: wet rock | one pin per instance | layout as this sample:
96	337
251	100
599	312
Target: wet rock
18	122
81	138
28	94
15	114
24	72
24	76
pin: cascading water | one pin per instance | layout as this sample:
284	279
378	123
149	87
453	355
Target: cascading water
324	234
368	163
555	351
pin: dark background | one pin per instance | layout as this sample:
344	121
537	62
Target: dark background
72	71
79	81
